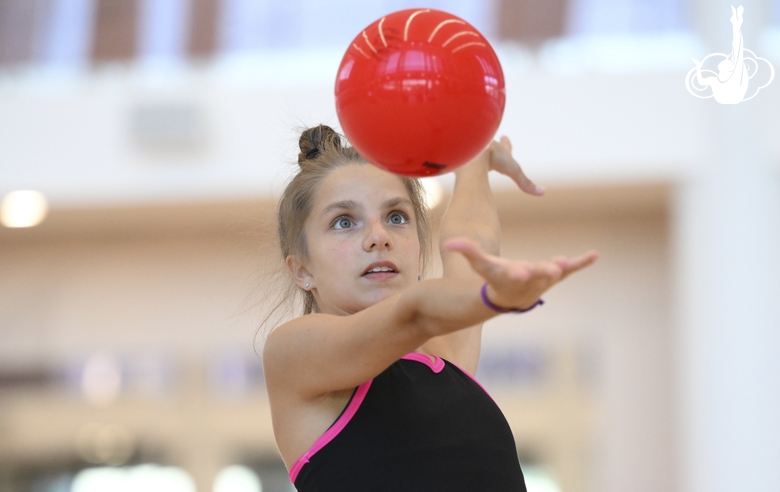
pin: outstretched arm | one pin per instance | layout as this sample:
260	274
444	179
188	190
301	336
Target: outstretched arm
472	214
313	355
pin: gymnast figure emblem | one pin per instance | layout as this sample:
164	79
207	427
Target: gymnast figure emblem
735	70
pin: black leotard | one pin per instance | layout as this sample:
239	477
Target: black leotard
418	426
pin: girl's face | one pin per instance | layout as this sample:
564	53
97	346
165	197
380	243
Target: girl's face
361	215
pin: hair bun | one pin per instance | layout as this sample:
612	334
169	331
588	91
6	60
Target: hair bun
316	140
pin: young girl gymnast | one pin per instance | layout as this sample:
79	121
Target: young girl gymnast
372	389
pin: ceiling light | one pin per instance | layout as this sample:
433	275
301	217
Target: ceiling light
23	208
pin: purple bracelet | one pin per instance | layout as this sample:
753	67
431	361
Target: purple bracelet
502	310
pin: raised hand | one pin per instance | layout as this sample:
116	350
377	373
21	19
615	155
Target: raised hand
501	160
517	284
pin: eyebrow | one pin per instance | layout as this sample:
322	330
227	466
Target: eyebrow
352	205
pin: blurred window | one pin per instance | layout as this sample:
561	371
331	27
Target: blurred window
68	36
627	16
531	21
204	15
162	32
72	31
236	375
237	478
518	369
115	30
247	25
774	12
17	32
140	478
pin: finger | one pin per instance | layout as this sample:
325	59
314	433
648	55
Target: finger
561	261
518	176
584	259
510	167
465	246
547	270
580	262
526	184
481	262
506	143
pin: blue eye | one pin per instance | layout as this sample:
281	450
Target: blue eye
401	215
343	222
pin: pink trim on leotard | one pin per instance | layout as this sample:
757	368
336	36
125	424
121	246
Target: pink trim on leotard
334	430
473	379
436	366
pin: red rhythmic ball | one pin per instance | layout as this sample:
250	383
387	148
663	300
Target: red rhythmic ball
420	92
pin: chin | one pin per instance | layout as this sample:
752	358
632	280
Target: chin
380	293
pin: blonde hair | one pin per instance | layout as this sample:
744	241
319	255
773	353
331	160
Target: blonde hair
321	151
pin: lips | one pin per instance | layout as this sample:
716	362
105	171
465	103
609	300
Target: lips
380	275
384	263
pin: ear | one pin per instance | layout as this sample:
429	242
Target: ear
299	272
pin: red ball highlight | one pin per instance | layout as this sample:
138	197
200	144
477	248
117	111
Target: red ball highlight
420	92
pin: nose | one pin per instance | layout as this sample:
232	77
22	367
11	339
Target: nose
377	237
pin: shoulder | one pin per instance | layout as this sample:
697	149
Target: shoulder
316	354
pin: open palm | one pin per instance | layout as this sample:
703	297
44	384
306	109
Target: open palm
517	284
